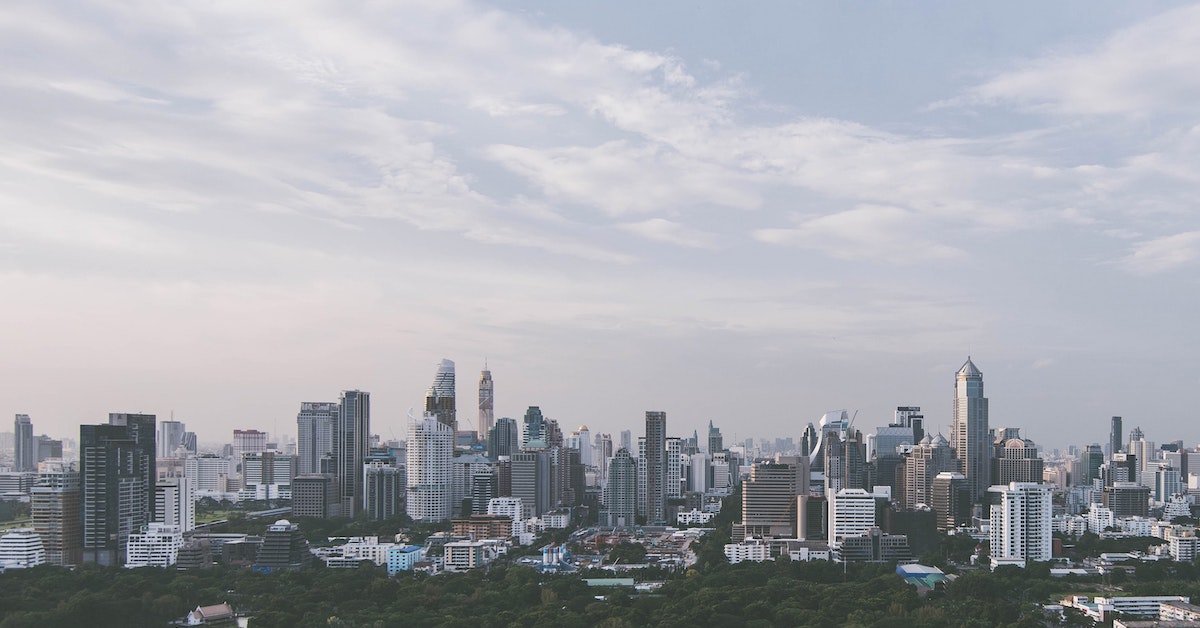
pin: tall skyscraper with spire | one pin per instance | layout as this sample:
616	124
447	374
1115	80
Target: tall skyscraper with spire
439	401
969	436
486	403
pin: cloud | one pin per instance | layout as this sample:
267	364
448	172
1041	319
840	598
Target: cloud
663	230
867	232
1147	68
1162	254
1042	363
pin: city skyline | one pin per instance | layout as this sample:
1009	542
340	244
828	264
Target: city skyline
613	208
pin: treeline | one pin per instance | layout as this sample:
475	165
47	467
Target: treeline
777	593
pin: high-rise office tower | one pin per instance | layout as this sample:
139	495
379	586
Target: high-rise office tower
48	448
950	500
247	442
1114	436
24	453
626	441
584	445
463	471
1135	434
430	449
845	461
351	444
486	402
117	463
189	442
504	438
535	430
1090	462
770	498
970	439
170	437
620	496
1020	522
55	508
531	481
175	503
656	471
910	416
851	513
715	441
1015	459
314	434
440	400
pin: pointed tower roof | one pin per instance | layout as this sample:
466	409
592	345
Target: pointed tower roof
969	369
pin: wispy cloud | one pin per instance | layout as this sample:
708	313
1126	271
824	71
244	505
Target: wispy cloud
1162	254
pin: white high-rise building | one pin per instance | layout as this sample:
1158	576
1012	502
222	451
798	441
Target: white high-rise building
155	546
700	469
969	437
430	449
673	489
1021	523
175	503
247	442
851	513
21	548
314	435
208	472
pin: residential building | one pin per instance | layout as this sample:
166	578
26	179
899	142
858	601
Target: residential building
1015	459
950	500
531	481
620	496
385	489
1127	499
430	449
654	463
504	438
315	495
1020	523
930	457
403	557
771	498
267	475
54	504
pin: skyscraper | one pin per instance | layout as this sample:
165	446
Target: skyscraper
535	429
170	437
715	442
504	439
24	453
117	470
486	402
247	442
969	438
55	509
351	444
1020	522
1114	436
620	496
430	448
656	470
314	434
440	400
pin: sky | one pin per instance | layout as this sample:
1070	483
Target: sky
745	214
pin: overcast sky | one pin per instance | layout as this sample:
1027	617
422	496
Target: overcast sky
746	212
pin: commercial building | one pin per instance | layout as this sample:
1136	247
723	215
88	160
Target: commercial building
851	513
157	545
117	465
385	487
314	435
24	452
969	437
351	443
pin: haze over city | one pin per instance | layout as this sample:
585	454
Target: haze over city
744	214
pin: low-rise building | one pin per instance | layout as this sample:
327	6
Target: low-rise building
403	558
752	549
157	545
21	548
467	555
